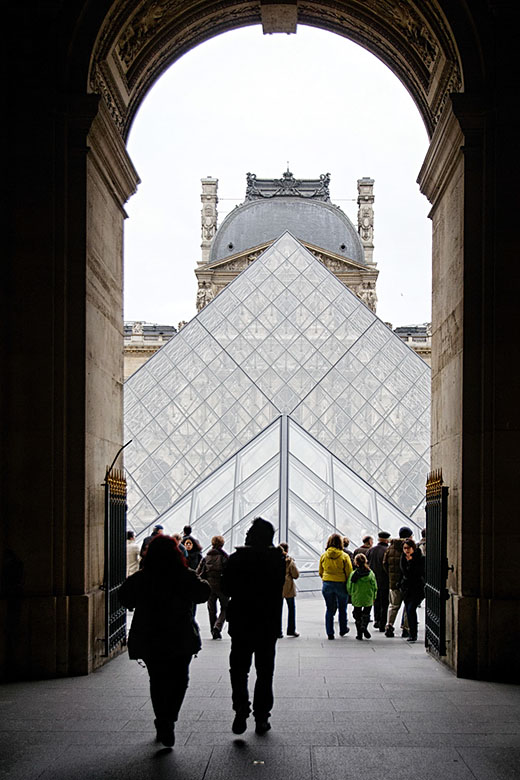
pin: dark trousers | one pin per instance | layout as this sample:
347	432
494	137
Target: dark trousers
411	613
291	616
381	608
361	616
168	684
216	597
242	650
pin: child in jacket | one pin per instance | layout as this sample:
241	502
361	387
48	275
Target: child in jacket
362	588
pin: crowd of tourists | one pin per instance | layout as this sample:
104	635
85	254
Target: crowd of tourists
167	576
381	576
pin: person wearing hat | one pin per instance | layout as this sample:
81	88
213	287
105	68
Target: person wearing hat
156	531
253	579
375	561
392	566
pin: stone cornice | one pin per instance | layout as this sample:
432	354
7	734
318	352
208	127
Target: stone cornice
108	153
257	250
442	157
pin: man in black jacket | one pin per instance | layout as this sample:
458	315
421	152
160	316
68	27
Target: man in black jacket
375	561
254	579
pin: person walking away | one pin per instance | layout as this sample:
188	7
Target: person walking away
289	591
346	542
375	561
368	542
253	579
362	589
392	566
156	531
334	569
163	632
412	583
132	554
211	569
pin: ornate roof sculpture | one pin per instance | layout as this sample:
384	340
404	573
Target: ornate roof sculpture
288	186
287	342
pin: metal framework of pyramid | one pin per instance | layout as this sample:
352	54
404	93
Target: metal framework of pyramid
284	397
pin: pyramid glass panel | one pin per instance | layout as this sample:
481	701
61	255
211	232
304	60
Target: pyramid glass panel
285	346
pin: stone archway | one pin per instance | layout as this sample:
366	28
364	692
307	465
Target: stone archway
139	40
106	59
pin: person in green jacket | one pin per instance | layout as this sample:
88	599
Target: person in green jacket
362	588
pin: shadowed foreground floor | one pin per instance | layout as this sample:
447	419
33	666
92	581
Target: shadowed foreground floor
374	709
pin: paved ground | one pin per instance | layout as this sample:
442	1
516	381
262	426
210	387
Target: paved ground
344	709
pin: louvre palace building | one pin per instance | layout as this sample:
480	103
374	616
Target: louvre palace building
285	396
298	207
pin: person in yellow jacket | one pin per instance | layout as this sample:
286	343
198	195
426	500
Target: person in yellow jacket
335	568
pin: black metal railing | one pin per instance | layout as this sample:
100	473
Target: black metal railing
115	558
436	562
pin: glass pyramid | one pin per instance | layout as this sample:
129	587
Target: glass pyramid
287	342
322	495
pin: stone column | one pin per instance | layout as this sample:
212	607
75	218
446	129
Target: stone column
62	394
475	414
208	216
366	217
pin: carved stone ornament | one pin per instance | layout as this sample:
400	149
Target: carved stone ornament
287	185
367	293
209	228
142	27
108	94
412	26
205	294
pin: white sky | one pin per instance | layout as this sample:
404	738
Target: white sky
248	102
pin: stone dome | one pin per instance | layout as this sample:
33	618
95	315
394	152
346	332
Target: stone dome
259	221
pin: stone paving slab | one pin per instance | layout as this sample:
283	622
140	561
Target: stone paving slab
380	708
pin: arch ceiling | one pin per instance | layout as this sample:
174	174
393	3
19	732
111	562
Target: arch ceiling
141	38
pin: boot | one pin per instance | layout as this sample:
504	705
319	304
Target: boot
364	623
240	722
165	732
359	629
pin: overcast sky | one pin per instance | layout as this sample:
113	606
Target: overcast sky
245	101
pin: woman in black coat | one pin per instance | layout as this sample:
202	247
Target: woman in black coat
163	632
411	583
194	552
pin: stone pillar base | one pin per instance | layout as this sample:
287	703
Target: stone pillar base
49	636
484	644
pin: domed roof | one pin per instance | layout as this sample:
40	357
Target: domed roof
269	212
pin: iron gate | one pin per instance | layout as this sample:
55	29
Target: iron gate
436	562
115	558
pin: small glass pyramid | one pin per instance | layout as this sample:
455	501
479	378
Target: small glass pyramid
286	342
